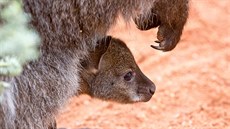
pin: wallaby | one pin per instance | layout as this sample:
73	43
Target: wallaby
68	30
111	73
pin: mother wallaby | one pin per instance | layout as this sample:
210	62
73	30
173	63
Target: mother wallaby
68	29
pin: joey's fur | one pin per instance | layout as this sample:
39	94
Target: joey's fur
68	30
104	74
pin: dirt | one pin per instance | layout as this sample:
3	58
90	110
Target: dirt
193	80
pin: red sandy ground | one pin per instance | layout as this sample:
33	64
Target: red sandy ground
193	80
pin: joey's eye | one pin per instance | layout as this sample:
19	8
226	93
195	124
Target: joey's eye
128	76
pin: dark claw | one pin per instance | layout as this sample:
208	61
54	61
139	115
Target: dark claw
164	46
161	45
157	47
157	41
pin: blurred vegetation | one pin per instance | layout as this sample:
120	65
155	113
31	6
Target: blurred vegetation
18	43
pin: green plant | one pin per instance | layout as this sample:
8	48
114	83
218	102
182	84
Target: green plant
18	42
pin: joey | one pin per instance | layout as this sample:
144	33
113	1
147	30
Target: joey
111	73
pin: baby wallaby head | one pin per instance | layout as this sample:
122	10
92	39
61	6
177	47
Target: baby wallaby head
117	76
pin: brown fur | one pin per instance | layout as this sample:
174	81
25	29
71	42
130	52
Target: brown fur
170	16
68	29
103	75
105	70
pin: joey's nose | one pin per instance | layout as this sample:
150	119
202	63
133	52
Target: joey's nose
152	89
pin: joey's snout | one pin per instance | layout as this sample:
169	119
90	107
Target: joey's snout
149	91
146	89
152	89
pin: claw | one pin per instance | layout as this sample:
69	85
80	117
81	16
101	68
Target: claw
163	46
157	47
157	41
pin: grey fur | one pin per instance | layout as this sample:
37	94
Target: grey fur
104	75
68	29
106	71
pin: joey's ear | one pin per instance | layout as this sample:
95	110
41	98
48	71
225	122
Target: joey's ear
100	49
103	44
104	59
